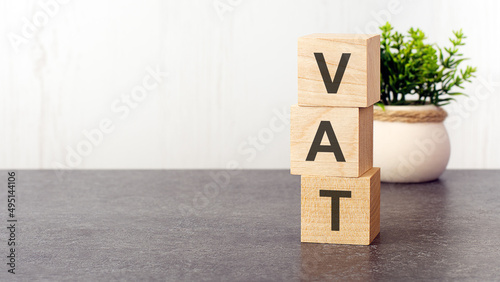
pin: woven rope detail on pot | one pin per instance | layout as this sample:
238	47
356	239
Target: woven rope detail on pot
437	115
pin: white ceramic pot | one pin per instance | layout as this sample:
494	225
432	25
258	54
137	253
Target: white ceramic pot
410	152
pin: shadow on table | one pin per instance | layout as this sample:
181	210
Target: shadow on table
329	261
413	213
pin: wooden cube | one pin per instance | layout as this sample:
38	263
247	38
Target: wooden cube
331	141
340	210
339	70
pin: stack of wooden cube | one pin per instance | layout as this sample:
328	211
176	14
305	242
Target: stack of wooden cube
332	138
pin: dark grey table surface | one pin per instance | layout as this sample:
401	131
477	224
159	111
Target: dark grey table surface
209	225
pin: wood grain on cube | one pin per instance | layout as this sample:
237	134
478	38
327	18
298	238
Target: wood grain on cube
359	214
360	84
353	128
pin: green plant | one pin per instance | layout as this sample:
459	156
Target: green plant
426	73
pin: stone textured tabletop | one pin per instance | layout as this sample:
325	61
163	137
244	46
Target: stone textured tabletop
209	225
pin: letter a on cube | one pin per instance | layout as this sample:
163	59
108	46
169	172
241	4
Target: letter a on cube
331	141
339	70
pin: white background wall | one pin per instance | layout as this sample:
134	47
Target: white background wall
230	73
